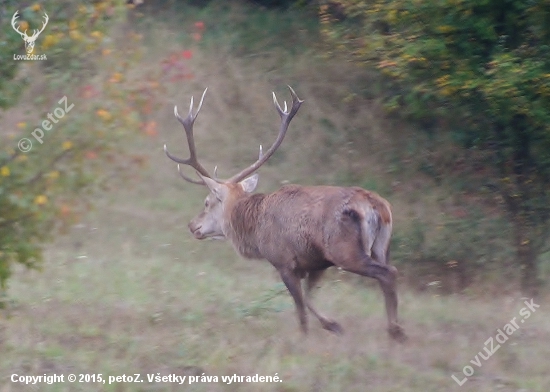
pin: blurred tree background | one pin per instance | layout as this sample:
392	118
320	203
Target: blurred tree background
478	72
50	173
472	76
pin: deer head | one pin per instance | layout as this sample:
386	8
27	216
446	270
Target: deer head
29	41
210	222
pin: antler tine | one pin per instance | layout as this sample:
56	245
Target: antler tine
192	161
189	179
286	117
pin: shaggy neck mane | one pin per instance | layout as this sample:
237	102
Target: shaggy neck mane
243	222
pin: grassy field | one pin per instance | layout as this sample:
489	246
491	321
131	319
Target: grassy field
128	290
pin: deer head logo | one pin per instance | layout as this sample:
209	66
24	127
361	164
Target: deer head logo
29	40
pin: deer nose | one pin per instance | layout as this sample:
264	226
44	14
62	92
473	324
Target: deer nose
195	230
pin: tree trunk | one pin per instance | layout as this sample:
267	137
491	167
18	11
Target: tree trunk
519	197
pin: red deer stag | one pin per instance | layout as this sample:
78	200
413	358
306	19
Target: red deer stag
300	230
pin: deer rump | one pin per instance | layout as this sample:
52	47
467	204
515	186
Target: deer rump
312	228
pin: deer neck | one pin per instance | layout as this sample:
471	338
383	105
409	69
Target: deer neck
241	224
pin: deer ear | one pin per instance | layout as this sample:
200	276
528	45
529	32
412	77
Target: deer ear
250	183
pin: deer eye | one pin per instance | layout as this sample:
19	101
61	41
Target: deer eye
206	203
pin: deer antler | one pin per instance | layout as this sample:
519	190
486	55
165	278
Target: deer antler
187	122
192	161
286	117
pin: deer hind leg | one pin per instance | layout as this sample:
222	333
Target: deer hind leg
386	276
292	281
390	297
312	279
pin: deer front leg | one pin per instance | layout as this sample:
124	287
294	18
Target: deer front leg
312	279
293	283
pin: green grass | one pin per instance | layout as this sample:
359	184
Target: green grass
147	298
129	290
181	309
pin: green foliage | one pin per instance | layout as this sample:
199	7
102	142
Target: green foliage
262	30
281	3
69	132
481	66
475	240
408	245
457	250
486	60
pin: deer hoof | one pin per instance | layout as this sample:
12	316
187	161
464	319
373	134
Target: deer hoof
333	327
397	333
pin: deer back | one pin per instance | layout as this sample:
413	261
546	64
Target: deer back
299	223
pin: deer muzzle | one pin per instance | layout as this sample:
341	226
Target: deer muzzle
196	230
